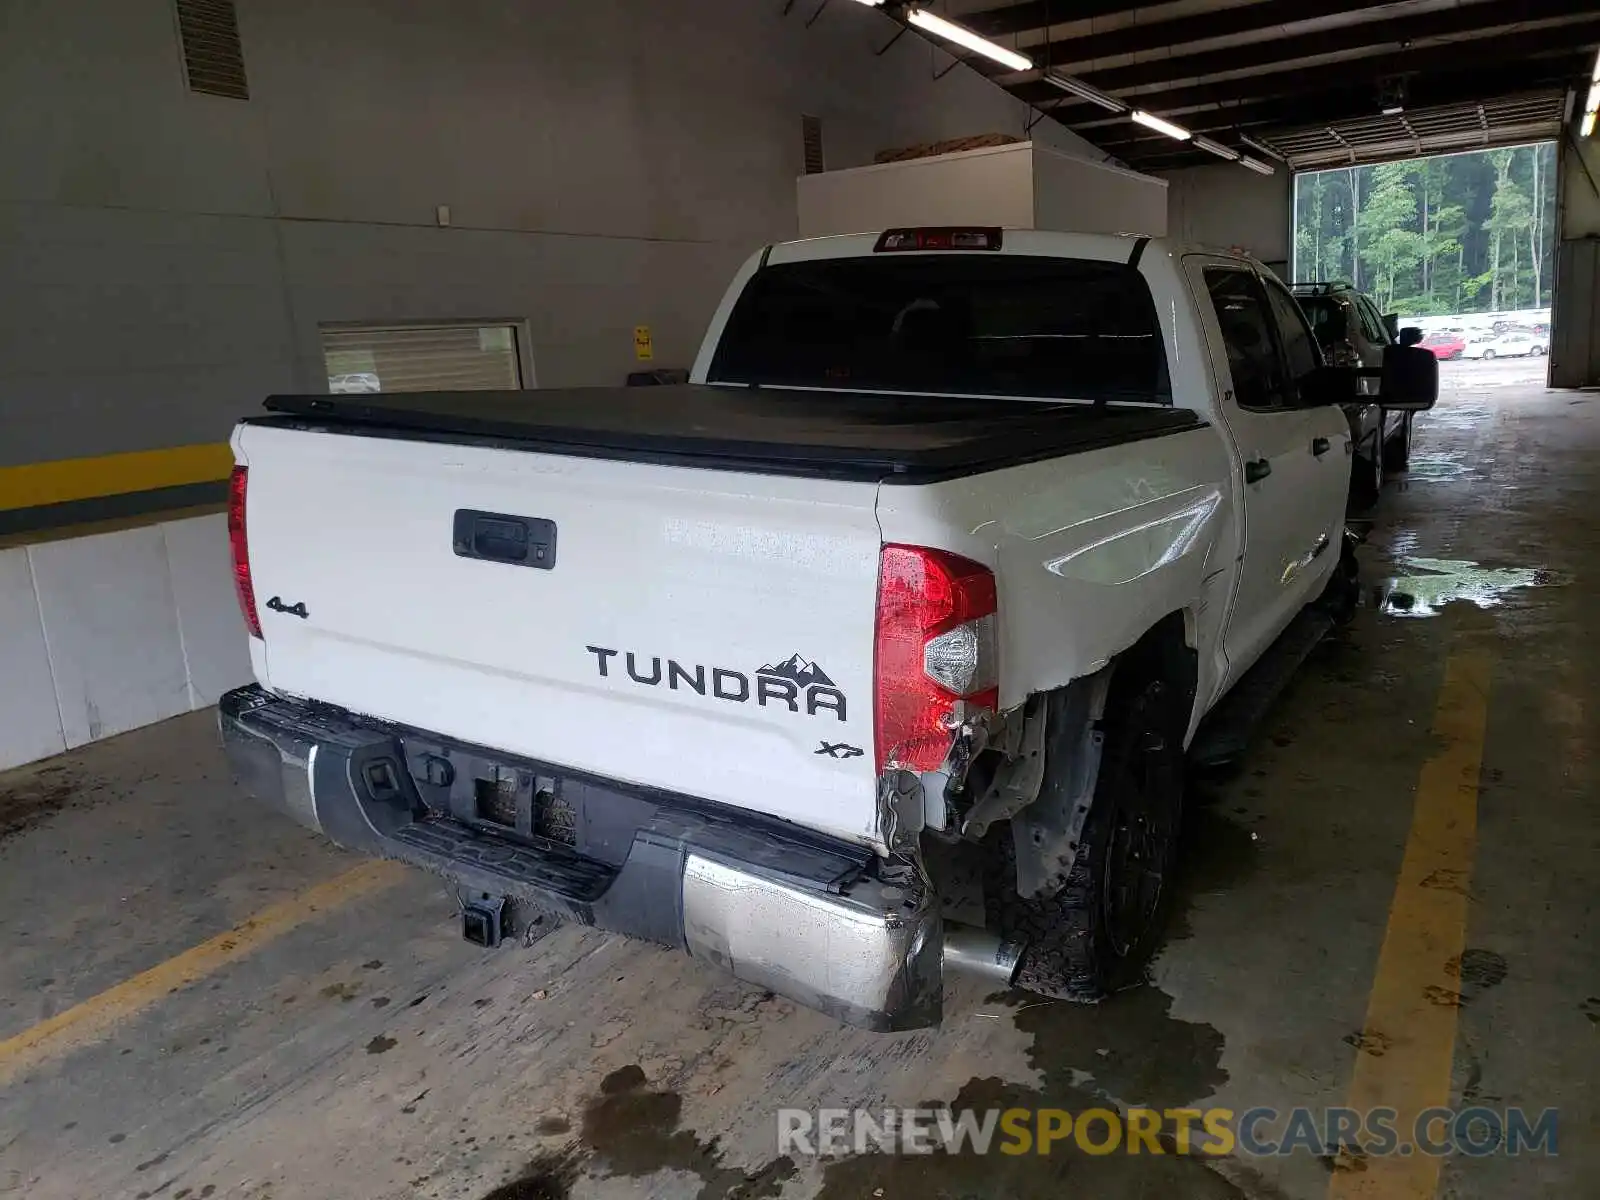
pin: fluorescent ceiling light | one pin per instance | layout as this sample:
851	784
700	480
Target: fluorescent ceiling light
1587	128
1084	91
1150	121
870	3
1595	76
962	36
1217	148
1592	104
1394	110
1260	168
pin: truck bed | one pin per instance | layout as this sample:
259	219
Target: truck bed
853	436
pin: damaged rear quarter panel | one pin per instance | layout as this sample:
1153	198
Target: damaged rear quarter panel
1089	551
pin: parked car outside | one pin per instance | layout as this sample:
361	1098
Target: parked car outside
1352	333
1516	344
1444	346
359	381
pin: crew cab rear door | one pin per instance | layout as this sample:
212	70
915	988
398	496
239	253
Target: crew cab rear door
1292	462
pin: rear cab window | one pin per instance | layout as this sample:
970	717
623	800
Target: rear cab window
1327	316
966	323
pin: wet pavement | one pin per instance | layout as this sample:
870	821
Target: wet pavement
356	1047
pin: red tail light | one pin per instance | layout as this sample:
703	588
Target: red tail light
240	543
935	645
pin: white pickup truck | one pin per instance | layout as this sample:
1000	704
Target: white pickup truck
875	649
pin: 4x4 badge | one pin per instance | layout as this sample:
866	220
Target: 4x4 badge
840	750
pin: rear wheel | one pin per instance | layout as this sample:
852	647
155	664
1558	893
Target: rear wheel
1095	935
1397	450
1537	351
1488	354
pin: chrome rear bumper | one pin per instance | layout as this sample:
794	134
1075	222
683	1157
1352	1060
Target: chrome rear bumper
807	917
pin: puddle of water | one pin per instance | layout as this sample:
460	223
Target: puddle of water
1126	1050
1435	468
633	1130
1432	583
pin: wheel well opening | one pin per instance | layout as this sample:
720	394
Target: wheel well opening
1167	651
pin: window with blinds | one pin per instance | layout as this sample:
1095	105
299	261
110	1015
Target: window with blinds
422	358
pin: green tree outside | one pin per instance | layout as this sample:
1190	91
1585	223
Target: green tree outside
1455	233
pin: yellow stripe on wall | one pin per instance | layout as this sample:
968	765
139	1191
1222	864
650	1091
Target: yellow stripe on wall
70	479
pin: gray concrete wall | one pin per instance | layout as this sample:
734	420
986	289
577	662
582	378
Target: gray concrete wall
166	258
1226	206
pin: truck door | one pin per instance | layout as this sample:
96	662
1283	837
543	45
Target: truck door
1291	462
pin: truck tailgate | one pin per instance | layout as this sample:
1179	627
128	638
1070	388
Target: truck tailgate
701	631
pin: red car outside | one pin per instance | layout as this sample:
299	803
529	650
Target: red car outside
1444	345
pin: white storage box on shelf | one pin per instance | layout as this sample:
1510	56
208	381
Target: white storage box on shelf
1021	186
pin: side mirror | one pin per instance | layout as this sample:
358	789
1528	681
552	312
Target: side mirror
1410	381
1410	336
1391	322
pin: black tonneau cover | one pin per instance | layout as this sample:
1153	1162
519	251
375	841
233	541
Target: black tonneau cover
835	435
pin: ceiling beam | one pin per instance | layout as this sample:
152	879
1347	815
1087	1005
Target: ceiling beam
1123	138
1289	81
1040	14
1479	21
1196	27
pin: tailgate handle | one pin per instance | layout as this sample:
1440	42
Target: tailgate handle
503	538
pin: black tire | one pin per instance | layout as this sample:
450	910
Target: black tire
1397	450
1487	355
1096	934
1366	476
1536	351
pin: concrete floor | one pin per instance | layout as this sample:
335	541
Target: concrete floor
345	1042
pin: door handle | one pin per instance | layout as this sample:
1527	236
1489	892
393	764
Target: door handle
1256	469
1319	446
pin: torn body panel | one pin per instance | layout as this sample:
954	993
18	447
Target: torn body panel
1089	557
1038	771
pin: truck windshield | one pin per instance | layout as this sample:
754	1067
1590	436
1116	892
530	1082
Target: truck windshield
971	323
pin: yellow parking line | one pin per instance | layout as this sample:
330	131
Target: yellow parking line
1408	1042
86	1022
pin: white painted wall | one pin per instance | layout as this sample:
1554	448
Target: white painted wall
1227	206
166	257
103	634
